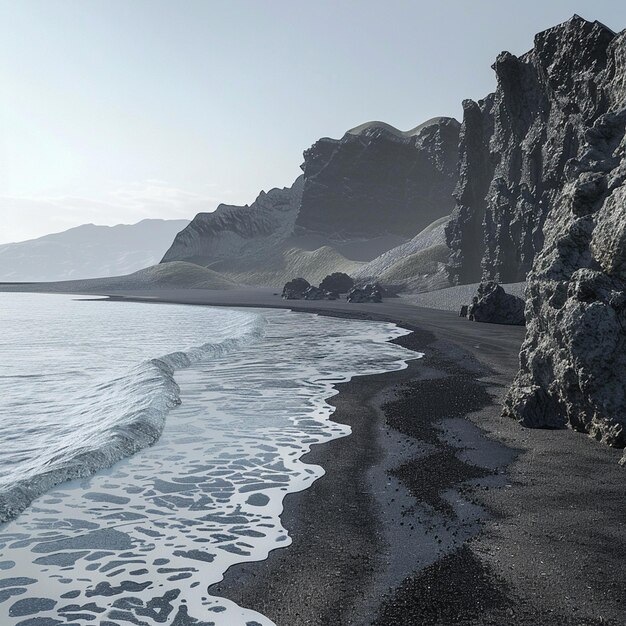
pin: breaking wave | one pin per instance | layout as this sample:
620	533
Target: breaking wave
114	420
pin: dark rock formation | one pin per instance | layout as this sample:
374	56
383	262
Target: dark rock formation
359	196
515	145
376	179
338	282
371	292
295	289
300	289
573	361
492	304
464	232
314	293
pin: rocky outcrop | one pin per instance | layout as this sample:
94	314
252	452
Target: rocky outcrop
295	288
492	304
371	292
515	146
376	179
315	293
359	196
338	282
573	361
300	289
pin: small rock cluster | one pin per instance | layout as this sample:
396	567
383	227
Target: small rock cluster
371	292
492	304
301	289
330	289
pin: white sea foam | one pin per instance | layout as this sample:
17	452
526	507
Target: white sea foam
143	541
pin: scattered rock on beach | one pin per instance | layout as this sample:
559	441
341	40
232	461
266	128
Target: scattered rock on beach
371	292
338	282
301	289
294	289
492	304
314	293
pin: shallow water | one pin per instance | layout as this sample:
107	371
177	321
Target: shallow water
141	542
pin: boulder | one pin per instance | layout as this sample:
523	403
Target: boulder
294	289
338	282
492	304
367	293
314	293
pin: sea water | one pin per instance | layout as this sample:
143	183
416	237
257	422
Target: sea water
180	429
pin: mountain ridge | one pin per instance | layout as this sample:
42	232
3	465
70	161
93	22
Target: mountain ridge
87	251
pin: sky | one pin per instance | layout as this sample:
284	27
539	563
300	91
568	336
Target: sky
112	111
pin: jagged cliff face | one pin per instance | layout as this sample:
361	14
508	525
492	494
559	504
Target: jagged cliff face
464	232
573	361
358	196
378	180
515	146
231	231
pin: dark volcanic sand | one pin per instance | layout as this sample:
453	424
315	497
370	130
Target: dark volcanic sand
421	519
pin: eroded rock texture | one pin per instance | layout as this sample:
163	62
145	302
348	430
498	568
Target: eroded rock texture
573	361
371	292
376	179
515	146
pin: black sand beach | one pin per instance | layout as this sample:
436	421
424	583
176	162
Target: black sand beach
436	510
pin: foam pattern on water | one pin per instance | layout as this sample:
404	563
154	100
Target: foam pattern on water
66	413
141	543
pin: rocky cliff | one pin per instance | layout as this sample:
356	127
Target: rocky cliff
358	197
515	146
541	194
377	179
573	361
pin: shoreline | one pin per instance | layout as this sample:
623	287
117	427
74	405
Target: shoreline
550	551
497	577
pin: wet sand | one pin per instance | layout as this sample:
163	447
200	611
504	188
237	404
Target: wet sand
437	510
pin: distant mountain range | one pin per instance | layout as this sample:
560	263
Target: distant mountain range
88	251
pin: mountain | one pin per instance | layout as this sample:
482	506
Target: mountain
415	266
358	197
88	251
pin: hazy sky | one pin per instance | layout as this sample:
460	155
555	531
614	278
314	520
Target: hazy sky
116	110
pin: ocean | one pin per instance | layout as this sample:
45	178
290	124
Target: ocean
146	448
